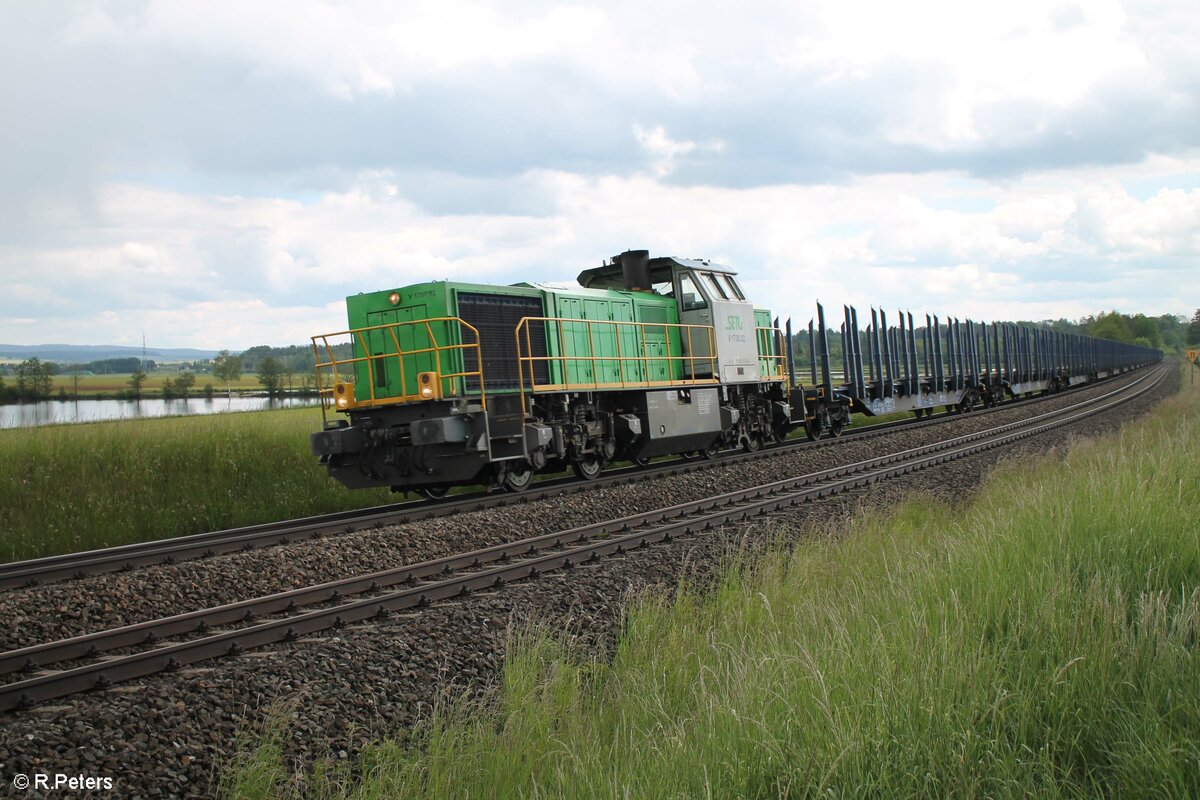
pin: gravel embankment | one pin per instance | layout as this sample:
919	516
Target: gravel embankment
70	608
172	734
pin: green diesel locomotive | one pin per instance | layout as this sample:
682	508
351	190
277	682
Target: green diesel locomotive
457	383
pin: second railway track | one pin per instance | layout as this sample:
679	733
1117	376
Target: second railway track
423	583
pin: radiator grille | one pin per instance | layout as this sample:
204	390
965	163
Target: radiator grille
496	318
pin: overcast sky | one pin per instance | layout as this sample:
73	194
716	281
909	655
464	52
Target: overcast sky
223	174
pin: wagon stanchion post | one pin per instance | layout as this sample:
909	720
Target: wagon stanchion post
826	378
857	342
888	375
914	369
791	356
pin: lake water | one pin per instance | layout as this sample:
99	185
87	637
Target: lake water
49	412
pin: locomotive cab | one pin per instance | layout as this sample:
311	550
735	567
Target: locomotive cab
707	295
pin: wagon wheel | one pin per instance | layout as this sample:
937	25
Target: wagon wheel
642	462
517	478
781	431
437	492
812	429
836	427
710	452
589	468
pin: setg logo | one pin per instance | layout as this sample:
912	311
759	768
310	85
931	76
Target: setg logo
733	324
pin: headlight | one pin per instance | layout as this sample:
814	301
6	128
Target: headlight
343	395
428	385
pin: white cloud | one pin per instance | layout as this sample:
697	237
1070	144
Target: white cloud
664	151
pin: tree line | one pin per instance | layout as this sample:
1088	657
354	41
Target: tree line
1165	332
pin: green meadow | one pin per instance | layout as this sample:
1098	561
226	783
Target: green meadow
75	487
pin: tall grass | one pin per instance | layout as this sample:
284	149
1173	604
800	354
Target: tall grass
72	487
1042	641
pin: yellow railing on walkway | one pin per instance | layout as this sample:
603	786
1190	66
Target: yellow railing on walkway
555	332
329	380
770	353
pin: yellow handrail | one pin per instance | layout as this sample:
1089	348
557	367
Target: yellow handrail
769	351
526	359
333	363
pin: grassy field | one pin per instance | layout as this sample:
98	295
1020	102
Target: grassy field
74	487
1041	641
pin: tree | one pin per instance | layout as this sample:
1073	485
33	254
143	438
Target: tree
270	375
136	381
1112	326
1143	327
168	389
184	382
33	378
208	390
227	368
1193	329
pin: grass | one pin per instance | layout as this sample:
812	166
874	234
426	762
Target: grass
1041	640
73	487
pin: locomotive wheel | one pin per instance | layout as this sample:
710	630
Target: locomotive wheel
752	443
433	492
518	479
589	468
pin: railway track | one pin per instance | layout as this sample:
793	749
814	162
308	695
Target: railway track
168	551
101	659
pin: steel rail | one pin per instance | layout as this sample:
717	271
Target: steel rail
745	503
122	558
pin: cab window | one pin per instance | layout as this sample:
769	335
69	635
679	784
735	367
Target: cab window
690	298
716	285
734	288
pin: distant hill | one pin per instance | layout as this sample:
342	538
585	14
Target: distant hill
82	353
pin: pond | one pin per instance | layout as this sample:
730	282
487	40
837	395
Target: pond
50	412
